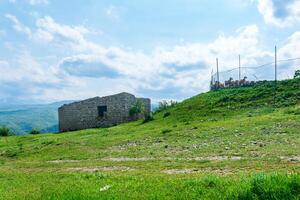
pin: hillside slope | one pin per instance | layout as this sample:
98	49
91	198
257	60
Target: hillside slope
23	118
234	143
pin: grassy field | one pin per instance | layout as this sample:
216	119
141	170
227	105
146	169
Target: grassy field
241	143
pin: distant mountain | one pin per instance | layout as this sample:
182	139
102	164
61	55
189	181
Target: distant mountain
23	118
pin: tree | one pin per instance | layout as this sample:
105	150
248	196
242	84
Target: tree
4	132
34	132
164	105
137	108
297	74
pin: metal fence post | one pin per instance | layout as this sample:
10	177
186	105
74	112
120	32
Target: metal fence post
275	83
218	78
239	69
275	64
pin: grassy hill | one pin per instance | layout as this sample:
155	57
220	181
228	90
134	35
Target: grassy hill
239	143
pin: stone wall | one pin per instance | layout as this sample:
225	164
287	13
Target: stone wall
84	114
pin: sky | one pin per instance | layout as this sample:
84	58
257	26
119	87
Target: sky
53	50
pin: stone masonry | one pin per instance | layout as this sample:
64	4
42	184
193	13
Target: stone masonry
99	112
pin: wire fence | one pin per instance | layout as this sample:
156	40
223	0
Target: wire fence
250	75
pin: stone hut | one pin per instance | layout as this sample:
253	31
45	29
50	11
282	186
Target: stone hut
100	112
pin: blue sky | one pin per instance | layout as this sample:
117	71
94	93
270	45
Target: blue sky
55	50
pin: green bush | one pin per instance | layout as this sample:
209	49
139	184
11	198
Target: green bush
167	114
297	74
267	187
275	186
293	110
34	132
164	131
164	105
148	118
137	108
4	132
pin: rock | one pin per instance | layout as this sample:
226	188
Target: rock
261	145
105	188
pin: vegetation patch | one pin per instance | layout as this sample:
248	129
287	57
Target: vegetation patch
5	132
236	143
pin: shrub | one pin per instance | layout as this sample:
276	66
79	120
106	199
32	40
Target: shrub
4	132
10	153
34	132
164	131
268	187
164	105
275	186
148	118
293	110
137	108
297	74
167	114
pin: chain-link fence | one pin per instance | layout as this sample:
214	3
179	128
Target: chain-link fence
241	76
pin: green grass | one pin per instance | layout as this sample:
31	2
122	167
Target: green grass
241	143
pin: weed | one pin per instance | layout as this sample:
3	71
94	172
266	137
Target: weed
164	131
34	132
4	132
167	114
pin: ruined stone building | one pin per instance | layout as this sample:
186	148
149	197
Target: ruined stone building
100	112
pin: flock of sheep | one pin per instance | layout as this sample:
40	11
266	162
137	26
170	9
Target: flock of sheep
231	83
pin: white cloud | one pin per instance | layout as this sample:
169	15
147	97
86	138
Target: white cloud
180	71
3	64
73	36
288	51
280	13
26	79
36	2
90	69
113	13
88	66
2	33
63	31
25	67
292	47
176	72
32	2
18	26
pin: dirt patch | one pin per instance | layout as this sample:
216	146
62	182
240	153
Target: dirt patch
217	158
180	171
209	158
121	159
223	171
63	161
99	169
291	159
125	146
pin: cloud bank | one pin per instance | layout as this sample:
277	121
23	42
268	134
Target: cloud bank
280	13
90	69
